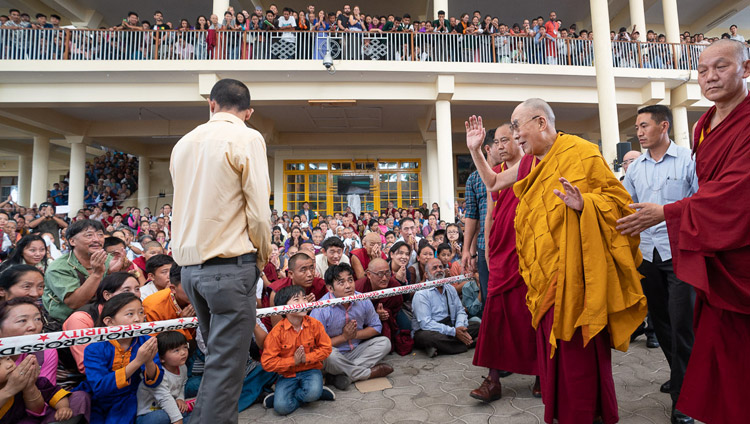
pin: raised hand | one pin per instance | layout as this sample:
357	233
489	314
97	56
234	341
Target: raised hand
572	196
474	133
98	259
382	312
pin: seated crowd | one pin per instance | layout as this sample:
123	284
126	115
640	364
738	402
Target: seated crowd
98	275
536	40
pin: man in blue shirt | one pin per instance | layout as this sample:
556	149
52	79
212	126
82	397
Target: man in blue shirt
440	324
354	329
663	175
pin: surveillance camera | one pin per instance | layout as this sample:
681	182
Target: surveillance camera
328	61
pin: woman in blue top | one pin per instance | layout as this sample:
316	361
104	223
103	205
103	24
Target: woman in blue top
114	369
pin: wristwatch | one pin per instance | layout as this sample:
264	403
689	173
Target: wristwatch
474	256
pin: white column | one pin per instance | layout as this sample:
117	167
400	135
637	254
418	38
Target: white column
279	202
671	21
144	181
220	6
446	190
681	126
605	80
432	192
638	18
39	166
77	177
24	180
438	5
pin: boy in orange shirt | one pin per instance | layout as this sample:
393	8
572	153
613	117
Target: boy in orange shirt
298	365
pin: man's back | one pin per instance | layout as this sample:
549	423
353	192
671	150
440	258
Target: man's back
222	163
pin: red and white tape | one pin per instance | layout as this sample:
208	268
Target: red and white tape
37	342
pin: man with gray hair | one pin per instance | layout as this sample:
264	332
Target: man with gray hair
440	324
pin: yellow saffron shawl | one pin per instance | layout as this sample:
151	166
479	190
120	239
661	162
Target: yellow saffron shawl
578	262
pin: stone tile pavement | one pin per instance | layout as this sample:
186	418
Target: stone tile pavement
437	391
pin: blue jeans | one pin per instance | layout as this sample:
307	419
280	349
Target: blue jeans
159	417
292	392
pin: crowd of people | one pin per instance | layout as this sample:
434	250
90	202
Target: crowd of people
109	266
240	35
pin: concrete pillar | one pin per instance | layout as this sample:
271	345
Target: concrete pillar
446	190
220	6
144	181
638	18
438	5
671	21
279	201
77	177
39	166
431	187
24	180
605	80
681	129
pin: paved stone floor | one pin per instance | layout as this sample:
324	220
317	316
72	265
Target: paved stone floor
437	391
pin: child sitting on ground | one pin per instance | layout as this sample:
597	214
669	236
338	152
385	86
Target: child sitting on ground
296	348
114	369
165	403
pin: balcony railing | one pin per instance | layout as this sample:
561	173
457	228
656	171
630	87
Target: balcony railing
84	44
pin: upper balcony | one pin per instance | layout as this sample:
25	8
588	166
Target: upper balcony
430	50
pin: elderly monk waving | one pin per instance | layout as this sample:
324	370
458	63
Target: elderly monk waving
709	234
584	291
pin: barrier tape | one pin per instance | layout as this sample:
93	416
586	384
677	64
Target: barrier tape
37	342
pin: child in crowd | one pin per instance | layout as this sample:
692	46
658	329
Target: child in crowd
150	249
296	348
26	393
115	369
165	403
170	303
157	269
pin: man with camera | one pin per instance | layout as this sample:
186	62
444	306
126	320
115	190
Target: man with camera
48	222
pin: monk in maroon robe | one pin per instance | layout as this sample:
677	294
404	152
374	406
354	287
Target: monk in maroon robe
709	233
301	272
506	340
378	277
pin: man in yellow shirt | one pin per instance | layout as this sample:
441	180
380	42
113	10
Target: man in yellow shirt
584	290
221	231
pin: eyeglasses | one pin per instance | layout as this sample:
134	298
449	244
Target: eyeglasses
515	127
381	274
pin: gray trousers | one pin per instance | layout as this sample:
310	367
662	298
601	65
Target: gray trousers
224	300
356	363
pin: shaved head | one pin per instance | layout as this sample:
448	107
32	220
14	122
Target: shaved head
728	48
628	158
371	238
722	71
539	107
377	265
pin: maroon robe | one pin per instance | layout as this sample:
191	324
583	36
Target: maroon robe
364	258
709	234
401	341
270	271
318	286
506	340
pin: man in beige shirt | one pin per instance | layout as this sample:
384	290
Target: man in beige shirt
220	235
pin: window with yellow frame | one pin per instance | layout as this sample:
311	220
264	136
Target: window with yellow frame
315	181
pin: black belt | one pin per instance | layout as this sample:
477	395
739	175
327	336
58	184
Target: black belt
238	260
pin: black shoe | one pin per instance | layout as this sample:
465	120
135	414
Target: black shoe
680	418
651	341
666	387
341	382
638	331
504	374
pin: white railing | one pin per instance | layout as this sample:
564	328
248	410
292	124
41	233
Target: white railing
84	44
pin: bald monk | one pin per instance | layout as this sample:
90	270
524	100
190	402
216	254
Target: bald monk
584	290
371	249
506	340
627	159
709	234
